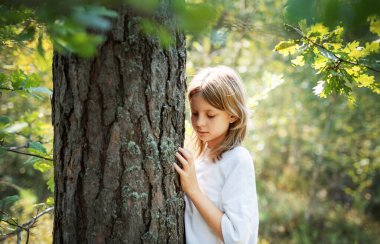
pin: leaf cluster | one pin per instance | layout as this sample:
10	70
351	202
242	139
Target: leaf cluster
24	84
340	65
67	28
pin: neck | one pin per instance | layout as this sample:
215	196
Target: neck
216	142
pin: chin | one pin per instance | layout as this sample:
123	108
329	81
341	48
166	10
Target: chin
203	139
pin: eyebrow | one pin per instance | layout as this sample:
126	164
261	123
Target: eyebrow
211	110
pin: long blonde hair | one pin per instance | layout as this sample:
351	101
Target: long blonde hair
223	89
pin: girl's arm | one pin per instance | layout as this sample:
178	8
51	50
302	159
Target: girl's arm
210	213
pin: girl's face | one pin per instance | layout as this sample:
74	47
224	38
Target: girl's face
210	123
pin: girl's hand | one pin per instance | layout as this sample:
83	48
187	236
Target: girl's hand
187	174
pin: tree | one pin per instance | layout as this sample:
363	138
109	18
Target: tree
118	118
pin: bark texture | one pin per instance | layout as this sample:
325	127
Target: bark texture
118	119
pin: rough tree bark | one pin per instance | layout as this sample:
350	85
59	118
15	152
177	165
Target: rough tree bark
118	118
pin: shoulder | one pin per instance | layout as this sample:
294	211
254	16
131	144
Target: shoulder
237	157
238	153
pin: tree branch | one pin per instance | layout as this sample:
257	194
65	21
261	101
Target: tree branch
27	225
25	153
321	46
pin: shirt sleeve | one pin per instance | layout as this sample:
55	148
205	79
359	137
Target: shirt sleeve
239	201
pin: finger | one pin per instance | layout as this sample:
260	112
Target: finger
184	152
187	154
178	169
182	160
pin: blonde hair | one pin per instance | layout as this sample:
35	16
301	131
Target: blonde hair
223	89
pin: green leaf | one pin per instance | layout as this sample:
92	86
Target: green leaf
336	34
43	165
319	88
354	51
299	60
50	184
69	36
37	146
40	48
320	62
327	54
40	90
102	11
18	79
27	34
303	25
92	19
374	24
31	160
157	31
318	29
16	127
286	47
4	120
353	71
372	47
3	79
50	200
32	80
7	201
81	43
365	80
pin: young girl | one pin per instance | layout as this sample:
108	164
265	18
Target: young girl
219	182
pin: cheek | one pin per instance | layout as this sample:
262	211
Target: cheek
223	125
193	121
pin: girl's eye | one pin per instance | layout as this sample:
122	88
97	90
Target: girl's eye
211	116
194	114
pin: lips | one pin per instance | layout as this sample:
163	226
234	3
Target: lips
202	132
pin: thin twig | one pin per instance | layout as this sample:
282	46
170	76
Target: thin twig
19	147
321	46
14	222
25	153
27	225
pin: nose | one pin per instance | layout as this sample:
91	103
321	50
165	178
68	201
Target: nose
200	121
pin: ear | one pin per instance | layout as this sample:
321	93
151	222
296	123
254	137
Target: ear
233	118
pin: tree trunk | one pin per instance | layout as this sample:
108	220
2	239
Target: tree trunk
118	119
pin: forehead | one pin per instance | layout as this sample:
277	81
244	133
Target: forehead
197	102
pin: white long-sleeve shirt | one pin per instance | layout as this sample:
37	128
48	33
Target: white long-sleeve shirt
230	184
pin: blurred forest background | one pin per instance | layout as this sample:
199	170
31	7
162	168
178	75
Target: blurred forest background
316	152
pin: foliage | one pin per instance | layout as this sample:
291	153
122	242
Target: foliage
24	205
25	129
340	65
21	24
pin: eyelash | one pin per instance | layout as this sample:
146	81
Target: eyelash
208	116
